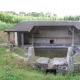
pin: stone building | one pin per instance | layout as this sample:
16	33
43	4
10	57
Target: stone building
48	34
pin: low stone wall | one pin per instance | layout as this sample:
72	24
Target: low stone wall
58	64
61	65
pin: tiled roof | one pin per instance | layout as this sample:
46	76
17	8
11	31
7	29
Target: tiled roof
28	25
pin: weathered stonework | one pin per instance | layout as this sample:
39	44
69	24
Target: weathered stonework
42	63
70	59
31	57
61	65
58	64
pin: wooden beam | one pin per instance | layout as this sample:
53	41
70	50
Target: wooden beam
71	30
8	39
32	39
36	29
22	40
53	37
73	37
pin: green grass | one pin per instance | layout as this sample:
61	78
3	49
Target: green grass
12	68
20	52
4	26
77	58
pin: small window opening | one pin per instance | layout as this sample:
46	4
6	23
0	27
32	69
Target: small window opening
51	41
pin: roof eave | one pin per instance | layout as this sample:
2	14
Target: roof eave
15	31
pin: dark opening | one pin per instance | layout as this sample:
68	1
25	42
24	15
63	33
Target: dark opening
51	71
51	41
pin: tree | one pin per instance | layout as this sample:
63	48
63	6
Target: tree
69	18
41	14
35	14
22	13
54	14
48	14
29	14
11	12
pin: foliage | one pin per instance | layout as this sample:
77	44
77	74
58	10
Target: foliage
13	17
73	18
77	58
9	18
2	37
4	26
22	13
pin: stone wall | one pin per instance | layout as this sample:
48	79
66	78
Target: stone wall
58	34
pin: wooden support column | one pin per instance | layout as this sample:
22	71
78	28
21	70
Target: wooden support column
16	39
8	41
73	37
32	39
22	40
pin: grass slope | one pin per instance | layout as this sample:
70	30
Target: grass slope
20	52
4	26
12	68
3	35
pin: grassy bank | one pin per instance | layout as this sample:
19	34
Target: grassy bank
77	58
3	35
12	68
4	25
20	52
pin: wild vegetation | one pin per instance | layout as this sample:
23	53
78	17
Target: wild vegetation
13	17
20	52
3	36
4	25
77	58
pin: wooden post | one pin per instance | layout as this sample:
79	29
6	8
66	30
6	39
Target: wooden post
32	40
8	41
22	40
16	39
73	37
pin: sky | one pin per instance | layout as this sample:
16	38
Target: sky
59	7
